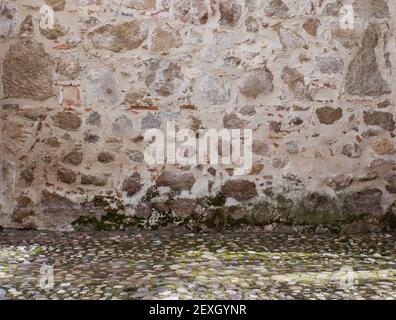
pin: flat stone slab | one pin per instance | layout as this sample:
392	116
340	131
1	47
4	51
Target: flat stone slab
166	265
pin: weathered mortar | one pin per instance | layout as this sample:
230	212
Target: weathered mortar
77	99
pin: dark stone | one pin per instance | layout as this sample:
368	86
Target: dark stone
240	190
379	118
66	175
105	157
183	208
93	180
75	157
367	201
178	180
132	184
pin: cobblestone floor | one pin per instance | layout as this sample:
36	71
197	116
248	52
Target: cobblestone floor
252	265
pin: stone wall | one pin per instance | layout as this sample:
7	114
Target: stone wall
77	98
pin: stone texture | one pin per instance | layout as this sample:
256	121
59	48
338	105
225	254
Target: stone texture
75	157
132	184
165	38
328	115
363	77
367	201
240	190
295	82
214	89
7	19
183	208
256	83
163	77
67	120
192	11
122	125
27	71
105	157
178	180
66	175
383	147
98	181
56	4
126	36
230	12
379	118
311	26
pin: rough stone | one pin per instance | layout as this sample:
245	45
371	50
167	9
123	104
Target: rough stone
122	125
98	181
56	4
367	201
383	147
379	118
363	77
178	180
132	184
27	71
241	190
183	208
339	181
328	115
214	89
329	64
391	185
311	26
67	120
230	12
352	150
277	8
66	175
126	36
105	157
256	83
295	82
165	38
75	157
163	77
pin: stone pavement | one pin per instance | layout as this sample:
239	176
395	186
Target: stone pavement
165	265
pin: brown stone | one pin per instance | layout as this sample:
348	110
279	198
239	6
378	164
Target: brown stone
383	147
165	38
67	120
256	83
67	176
295	82
105	157
75	157
178	180
311	26
27	175
379	118
230	12
98	181
56	4
132	184
241	190
58	209
328	115
26	28
277	8
24	209
232	121
126	36
183	208
27	71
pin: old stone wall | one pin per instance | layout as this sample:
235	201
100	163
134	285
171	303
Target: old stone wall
77	98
